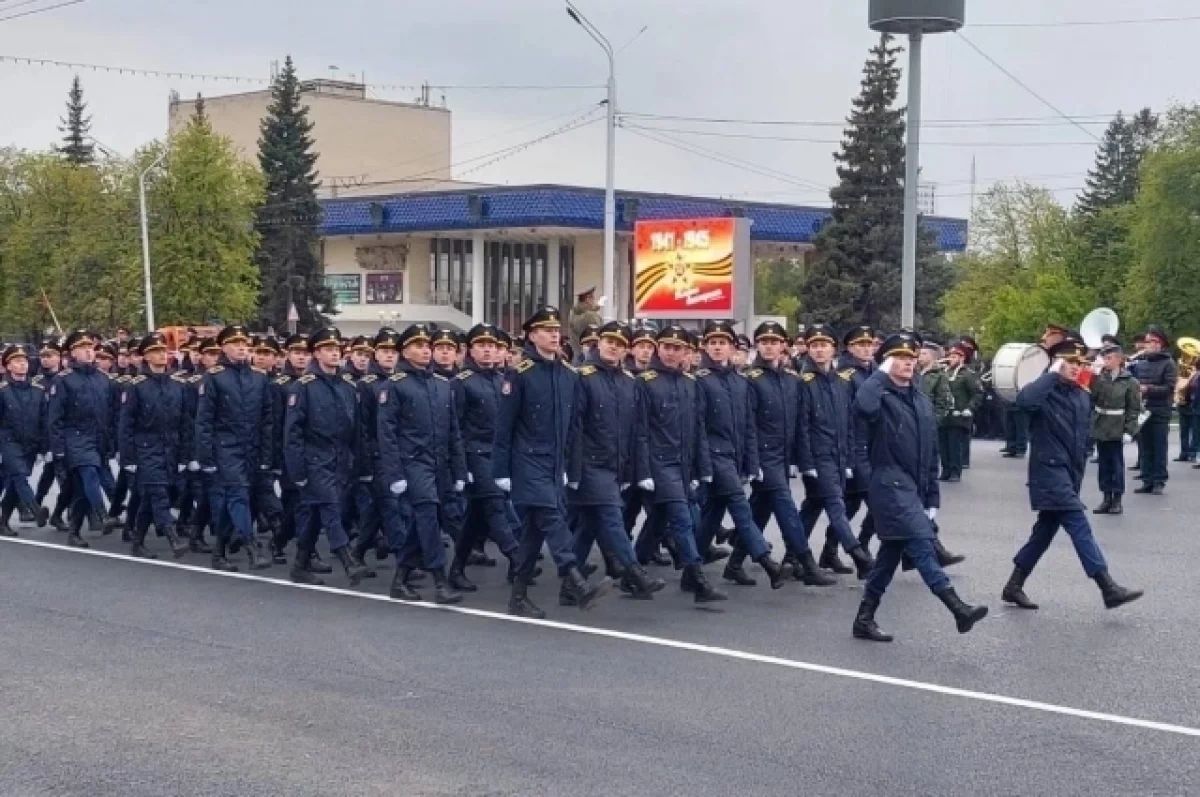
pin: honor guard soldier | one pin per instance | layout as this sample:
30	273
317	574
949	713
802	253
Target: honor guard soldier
672	421
153	436
733	449
445	363
855	364
421	450
775	407
478	387
903	488
1118	403
641	352
320	443
79	420
234	437
49	364
22	438
1060	413
1157	375
194	514
536	428
359	355
602	464
955	430
265	506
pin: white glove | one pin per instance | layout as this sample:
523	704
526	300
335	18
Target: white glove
572	485
564	479
366	479
758	476
647	485
264	467
793	471
849	473
624	487
931	513
1056	366
470	478
210	470
1126	439
459	486
302	483
966	413
193	466
130	468
707	479
886	367
956	413
504	484
399	487
812	474
182	467
40	459
695	484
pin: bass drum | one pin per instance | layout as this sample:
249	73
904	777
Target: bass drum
1015	366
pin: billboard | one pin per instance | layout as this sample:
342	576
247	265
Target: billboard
695	268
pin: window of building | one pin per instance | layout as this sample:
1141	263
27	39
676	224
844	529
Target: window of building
385	288
566	277
451	264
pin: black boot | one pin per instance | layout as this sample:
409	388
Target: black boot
1145	489
278	554
401	590
519	603
105	525
716	553
1014	590
790	563
59	524
1105	505
865	626
257	559
810	573
613	567
442	592
300	574
319	565
773	570
74	539
862	562
738	575
459	580
139	548
565	596
702	591
638	583
830	559
38	514
1114	594
1116	508
355	571
357	561
219	562
6	530
196	543
944	557
965	615
587	593
179	547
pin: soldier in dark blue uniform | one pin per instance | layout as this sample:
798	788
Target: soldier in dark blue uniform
775	407
265	506
421	451
79	427
641	355
1157	374
826	443
194	514
49	366
152	437
22	437
320	443
233	440
1060	414
732	438
677	451
903	490
854	365
477	390
446	344
602	464
536	428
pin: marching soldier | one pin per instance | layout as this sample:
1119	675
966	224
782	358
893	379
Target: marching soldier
854	365
1060	420
194	514
931	380
152	436
49	366
903	490
955	429
1118	403
22	436
445	363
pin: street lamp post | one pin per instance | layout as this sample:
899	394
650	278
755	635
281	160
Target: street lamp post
610	200
146	239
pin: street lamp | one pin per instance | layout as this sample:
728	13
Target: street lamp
146	239
610	200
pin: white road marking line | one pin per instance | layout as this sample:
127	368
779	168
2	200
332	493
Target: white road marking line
729	653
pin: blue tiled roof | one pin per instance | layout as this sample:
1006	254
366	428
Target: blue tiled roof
582	208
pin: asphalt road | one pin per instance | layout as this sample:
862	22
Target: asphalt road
124	678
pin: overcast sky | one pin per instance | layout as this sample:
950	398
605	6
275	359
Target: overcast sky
786	60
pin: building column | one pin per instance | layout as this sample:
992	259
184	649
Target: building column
478	254
552	274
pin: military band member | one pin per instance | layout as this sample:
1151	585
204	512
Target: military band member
1157	375
22	438
1118	403
955	429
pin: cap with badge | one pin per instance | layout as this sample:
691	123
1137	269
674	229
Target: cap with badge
155	341
50	346
416	333
618	331
1071	348
209	346
859	334
268	345
505	340
296	343
821	332
590	334
1112	346
325	336
361	344
770	330
107	350
719	329
900	344
743	343
673	333
234	333
642	332
544	318
444	337
386	338
79	337
12	352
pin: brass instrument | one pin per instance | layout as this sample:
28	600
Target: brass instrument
1189	355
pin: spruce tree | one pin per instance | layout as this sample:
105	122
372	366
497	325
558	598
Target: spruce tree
200	112
76	129
856	276
288	220
1113	180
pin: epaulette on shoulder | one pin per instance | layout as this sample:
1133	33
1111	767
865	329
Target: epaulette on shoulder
465	374
258	371
648	375
283	379
689	376
791	371
111	378
809	376
125	378
439	376
524	366
570	367
216	369
846	373
304	380
628	373
703	372
38	385
587	370
137	380
347	378
754	373
194	378
179	377
369	378
397	377
4	385
64	372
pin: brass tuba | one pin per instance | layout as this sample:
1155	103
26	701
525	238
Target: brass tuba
1189	354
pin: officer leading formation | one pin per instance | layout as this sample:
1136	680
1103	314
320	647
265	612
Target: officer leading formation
423	445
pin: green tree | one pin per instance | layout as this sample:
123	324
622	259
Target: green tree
856	276
778	286
203	236
76	129
287	223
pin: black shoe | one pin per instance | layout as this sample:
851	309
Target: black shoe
811	574
716	553
1134	467
737	575
222	564
319	565
943	476
442	591
587	593
300	574
107	525
401	590
792	565
1116	508
1182	459
1114	594
954	478
1158	489
724	535
1013	455
60	524
480	559
944	557
638	583
613	568
355	571
196	543
460	582
1014	590
865	626
965	615
357	561
25	515
520	605
6	530
588	570
278	555
1105	505
41	516
255	556
773	570
862	562
179	546
382	551
660	559
75	541
702	591
140	551
831	561
565	596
